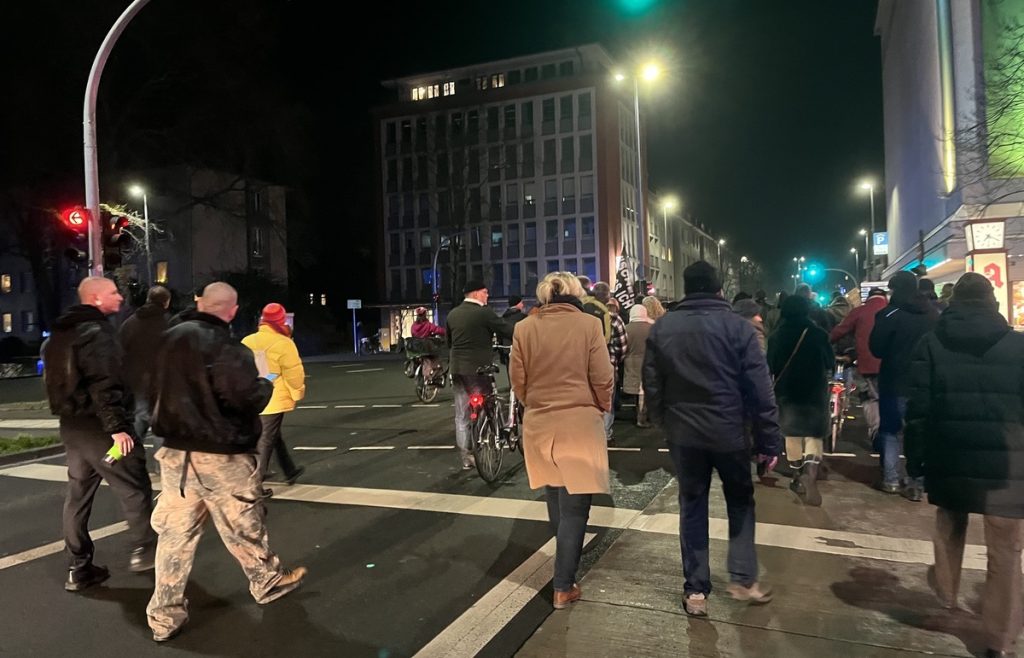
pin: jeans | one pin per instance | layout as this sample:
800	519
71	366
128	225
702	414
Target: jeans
464	386
867	386
271	442
893	411
1002	614
609	424
568	514
693	469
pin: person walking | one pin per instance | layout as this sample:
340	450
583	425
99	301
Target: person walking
561	373
655	309
208	398
637	331
85	387
838	310
774	317
273	339
618	343
800	358
140	337
750	310
704	377
965	437
898	328
818	315
471	329
860	322
515	313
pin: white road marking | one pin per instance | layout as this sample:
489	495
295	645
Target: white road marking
312	406
57	546
350	406
372	448
315	448
431	448
629	406
387	406
799	538
36	424
425	406
349	372
147	445
662	449
478	625
623	449
348	365
840	454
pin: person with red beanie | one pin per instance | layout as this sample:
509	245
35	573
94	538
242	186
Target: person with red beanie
274	340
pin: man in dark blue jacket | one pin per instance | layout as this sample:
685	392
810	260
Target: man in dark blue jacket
704	375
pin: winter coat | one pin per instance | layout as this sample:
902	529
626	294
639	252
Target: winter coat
426	329
561	373
283	359
140	337
898	328
860	322
83	373
637	331
838	311
705	374
802	390
471	331
206	394
965	418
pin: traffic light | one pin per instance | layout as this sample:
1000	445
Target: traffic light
114	240
815	272
76	219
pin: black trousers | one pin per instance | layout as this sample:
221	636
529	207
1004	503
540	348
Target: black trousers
127	478
271	441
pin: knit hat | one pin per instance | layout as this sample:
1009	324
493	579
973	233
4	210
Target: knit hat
747	308
973	287
701	277
514	300
903	282
274	316
473	285
876	292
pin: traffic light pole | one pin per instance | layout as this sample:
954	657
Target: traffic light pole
92	176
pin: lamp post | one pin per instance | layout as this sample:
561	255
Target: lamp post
856	258
443	243
650	72
721	243
869	257
137	191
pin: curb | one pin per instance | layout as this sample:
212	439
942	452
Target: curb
32	455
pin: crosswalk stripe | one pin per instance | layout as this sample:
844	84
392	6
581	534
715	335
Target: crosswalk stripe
372	448
315	448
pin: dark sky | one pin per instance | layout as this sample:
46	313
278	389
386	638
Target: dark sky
770	112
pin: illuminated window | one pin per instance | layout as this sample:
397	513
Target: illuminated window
323	299
312	297
433	91
161	271
420	93
449	88
497	80
5	283
8	323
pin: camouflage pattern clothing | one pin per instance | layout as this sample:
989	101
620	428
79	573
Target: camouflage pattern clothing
228	489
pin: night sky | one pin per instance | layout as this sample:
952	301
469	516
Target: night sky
770	113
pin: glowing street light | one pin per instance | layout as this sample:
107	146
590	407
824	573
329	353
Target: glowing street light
650	71
856	258
869	260
619	76
139	191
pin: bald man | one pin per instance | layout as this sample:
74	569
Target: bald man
207	401
85	386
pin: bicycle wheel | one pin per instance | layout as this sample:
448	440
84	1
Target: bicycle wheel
836	420
486	450
425	391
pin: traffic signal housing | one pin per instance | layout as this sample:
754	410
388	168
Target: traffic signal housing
114	240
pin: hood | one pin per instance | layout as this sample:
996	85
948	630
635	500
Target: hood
638	313
971	327
150	310
876	303
78	314
704	301
561	304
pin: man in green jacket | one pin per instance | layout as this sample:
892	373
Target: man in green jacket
471	331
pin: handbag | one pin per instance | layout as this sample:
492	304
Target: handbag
775	382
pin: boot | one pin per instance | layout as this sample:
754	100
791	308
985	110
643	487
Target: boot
797	485
823	471
811	495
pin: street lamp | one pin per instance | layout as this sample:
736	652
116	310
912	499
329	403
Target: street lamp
649	71
867	251
137	191
443	243
721	243
856	258
869	257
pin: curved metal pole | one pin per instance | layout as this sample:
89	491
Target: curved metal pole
852	278
92	176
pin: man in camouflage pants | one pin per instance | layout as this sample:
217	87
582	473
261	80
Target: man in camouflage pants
206	402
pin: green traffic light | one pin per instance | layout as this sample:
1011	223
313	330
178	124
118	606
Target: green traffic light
635	7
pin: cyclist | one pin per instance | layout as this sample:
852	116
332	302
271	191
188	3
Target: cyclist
424	329
471	328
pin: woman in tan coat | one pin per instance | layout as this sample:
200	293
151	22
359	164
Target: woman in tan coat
561	373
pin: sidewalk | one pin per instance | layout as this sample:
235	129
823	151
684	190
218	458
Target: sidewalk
833	596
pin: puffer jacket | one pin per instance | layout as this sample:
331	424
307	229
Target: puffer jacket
898	328
282	359
965	418
82	370
206	394
705	375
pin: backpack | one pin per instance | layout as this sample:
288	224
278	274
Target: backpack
593	307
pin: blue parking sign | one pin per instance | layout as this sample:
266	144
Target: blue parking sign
880	246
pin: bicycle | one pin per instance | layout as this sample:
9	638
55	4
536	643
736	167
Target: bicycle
427	384
839	400
498	424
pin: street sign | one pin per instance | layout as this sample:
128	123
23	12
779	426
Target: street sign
880	246
355	304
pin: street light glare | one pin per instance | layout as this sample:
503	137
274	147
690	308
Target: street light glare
670	203
619	76
651	71
867	185
853	250
722	242
136	190
863	231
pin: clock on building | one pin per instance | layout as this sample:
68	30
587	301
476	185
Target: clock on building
985	235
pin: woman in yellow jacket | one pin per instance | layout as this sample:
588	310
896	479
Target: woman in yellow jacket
274	338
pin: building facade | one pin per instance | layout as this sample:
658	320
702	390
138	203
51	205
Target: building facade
504	171
953	127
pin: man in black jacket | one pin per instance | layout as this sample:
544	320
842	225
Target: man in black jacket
965	436
140	337
207	399
85	388
704	375
471	328
898	328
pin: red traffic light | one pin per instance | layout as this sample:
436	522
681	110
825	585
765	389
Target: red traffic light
77	219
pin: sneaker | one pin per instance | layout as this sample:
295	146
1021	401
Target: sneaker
886	488
757	593
290	580
468	463
141	558
696	605
85	577
913	493
563	600
164	637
